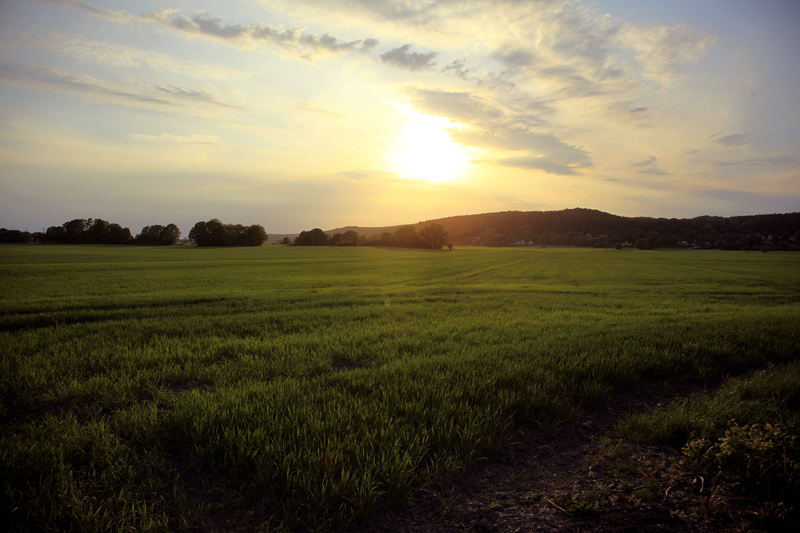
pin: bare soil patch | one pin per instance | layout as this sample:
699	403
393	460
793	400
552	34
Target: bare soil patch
583	478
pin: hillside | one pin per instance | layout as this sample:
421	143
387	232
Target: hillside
589	226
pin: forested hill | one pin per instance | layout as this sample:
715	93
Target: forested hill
590	226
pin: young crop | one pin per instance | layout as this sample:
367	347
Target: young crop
165	388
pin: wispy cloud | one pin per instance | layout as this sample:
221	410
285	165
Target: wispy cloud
653	171
176	139
778	160
116	16
735	139
649	166
317	110
652	160
491	125
292	40
540	163
55	80
115	55
401	57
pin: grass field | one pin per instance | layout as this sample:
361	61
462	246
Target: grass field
174	388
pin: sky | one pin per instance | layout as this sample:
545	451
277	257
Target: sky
296	114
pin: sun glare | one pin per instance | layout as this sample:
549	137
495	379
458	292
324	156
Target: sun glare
422	149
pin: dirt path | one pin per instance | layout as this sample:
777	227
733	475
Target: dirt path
582	479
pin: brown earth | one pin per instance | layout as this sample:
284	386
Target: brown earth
583	478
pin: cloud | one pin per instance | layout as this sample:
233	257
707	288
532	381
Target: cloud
745	202
305	106
639	110
521	139
386	176
654	172
735	139
116	16
489	124
48	79
456	68
778	160
461	107
540	163
400	57
176	139
651	166
665	52
84	49
652	160
292	40
195	95
515	58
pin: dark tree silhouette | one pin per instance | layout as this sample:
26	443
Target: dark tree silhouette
350	238
159	235
314	237
405	237
434	236
88	231
215	233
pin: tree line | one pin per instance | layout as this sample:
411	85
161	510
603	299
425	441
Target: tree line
433	237
590	227
215	233
99	231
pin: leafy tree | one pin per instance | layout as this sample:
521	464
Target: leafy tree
14	236
434	236
335	239
405	237
254	235
350	238
55	234
643	244
314	237
211	233
286	240
87	231
74	230
215	233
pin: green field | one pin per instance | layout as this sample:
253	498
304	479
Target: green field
171	388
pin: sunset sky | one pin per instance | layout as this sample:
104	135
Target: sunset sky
296	114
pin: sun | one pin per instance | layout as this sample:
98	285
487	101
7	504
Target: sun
422	149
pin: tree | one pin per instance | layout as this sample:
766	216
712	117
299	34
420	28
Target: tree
74	230
643	244
286	240
211	233
434	236
215	233
350	238
170	235
55	234
254	235
405	237
314	237
15	236
150	235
